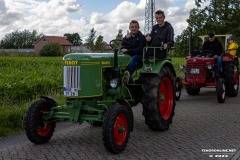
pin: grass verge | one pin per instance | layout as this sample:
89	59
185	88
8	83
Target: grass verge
11	118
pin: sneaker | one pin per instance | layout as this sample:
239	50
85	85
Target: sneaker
126	77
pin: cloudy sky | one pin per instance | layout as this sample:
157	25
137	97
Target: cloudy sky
56	17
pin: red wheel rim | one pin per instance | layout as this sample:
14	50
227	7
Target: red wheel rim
120	129
236	76
165	98
41	128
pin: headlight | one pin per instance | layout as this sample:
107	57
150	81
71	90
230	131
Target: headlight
209	67
113	83
182	67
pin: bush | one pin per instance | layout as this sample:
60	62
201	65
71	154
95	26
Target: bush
51	49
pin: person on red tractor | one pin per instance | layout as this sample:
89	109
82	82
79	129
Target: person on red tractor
232	46
214	49
162	35
137	42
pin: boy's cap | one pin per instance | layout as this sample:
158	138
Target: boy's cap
210	35
230	38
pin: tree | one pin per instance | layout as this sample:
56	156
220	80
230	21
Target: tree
51	49
99	44
90	40
74	38
220	17
118	37
20	39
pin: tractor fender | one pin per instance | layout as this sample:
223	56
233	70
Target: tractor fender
50	100
128	106
170	65
159	65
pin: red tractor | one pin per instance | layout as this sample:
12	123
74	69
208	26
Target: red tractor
200	72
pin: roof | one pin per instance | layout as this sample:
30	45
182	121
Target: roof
106	46
56	39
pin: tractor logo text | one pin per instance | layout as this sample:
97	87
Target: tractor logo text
71	62
105	62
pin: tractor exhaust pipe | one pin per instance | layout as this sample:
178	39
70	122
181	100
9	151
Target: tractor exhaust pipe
190	42
115	58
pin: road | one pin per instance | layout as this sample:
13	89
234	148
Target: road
202	129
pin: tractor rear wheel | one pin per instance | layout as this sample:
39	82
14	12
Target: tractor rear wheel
116	128
159	100
221	91
192	91
231	74
37	131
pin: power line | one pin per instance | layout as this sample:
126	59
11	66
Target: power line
149	16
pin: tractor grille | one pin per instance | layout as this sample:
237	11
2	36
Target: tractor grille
71	80
200	66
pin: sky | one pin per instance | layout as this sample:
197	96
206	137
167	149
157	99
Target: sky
57	17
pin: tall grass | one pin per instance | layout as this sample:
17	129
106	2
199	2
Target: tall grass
177	62
24	79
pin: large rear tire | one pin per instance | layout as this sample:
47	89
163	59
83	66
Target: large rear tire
231	75
116	128
159	100
37	131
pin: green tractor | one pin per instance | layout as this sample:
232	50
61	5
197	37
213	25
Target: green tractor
95	93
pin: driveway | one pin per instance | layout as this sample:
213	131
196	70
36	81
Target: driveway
202	129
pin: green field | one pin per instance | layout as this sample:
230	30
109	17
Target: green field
24	79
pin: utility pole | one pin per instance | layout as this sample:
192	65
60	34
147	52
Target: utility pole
149	16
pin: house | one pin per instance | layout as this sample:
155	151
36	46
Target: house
65	44
106	47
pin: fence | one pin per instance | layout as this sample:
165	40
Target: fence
17	50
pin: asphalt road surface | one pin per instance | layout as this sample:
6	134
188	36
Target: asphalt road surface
202	129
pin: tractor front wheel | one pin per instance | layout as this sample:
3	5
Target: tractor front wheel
221	91
37	131
116	128
159	100
178	89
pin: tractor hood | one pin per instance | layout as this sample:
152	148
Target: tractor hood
83	72
106	59
199	60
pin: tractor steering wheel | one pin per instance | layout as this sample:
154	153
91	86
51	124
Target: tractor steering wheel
207	53
118	44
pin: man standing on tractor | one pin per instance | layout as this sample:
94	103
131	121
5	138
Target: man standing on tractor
215	49
162	35
232	46
133	44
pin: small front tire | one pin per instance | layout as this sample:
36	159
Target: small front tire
116	129
178	89
221	91
37	131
